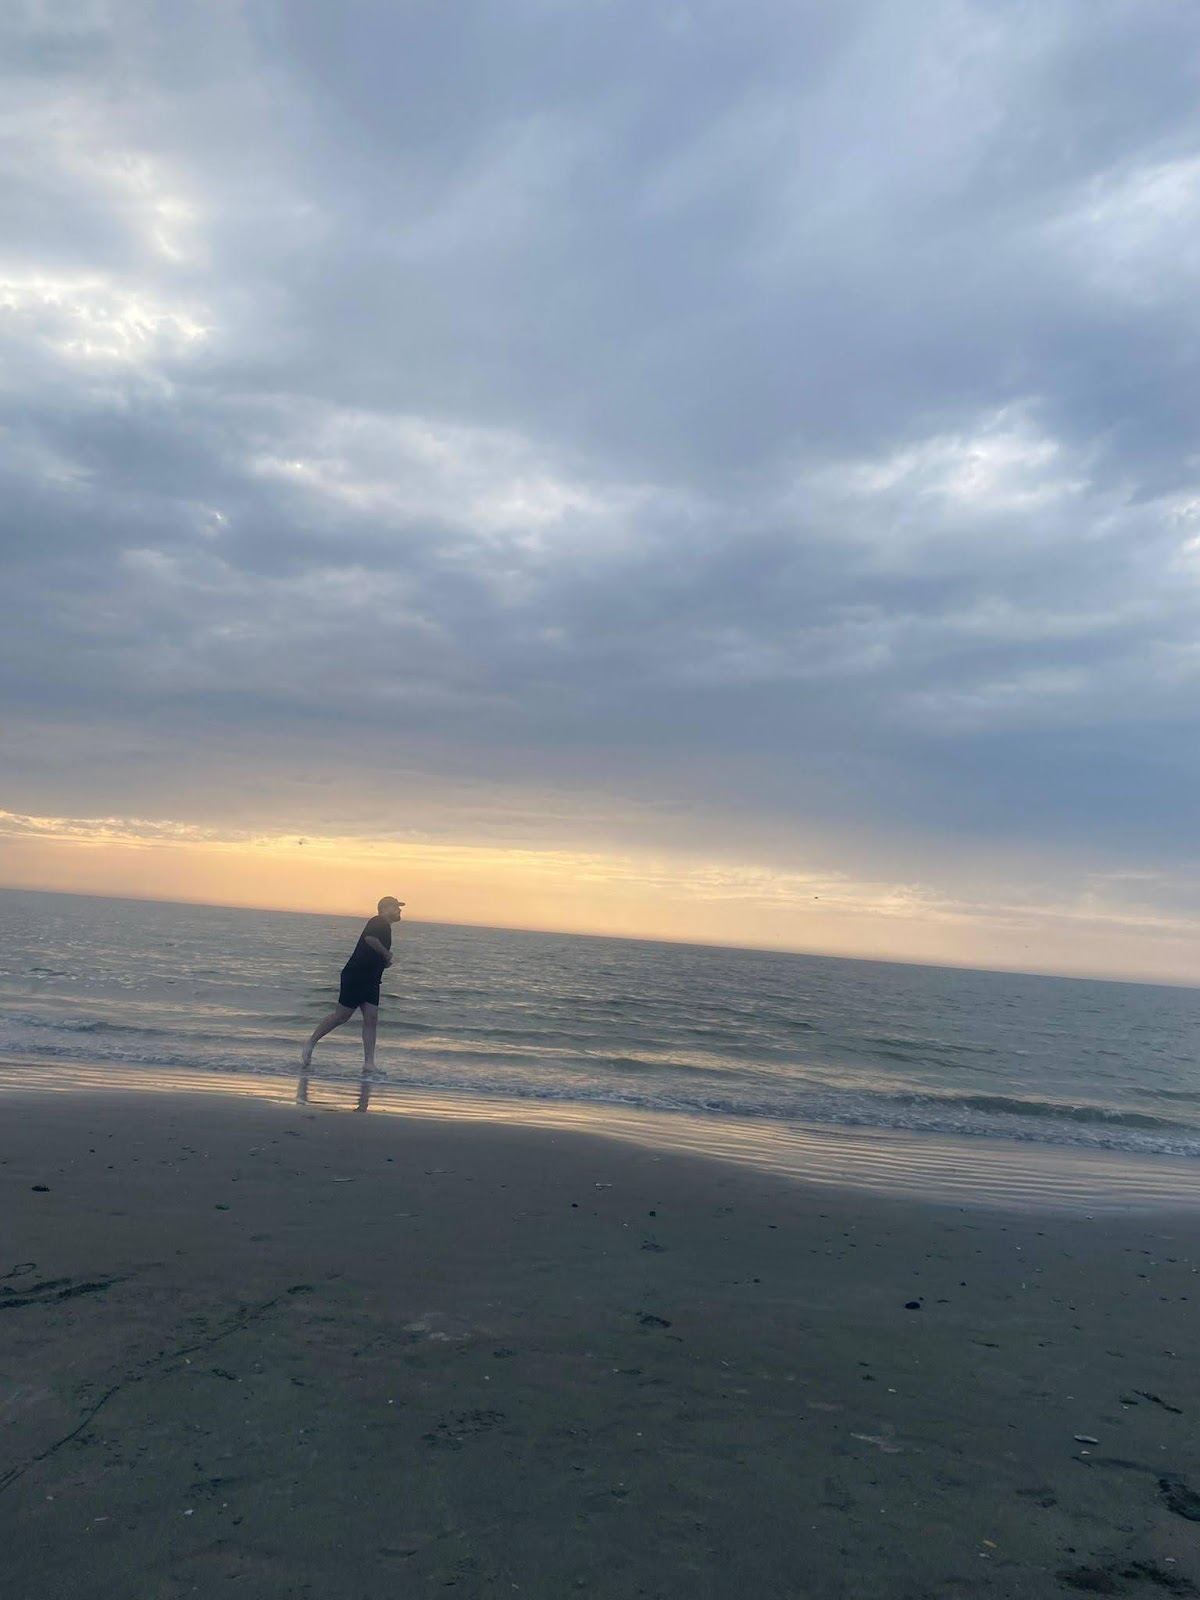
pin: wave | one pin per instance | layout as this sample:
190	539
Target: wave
1009	1105
924	1046
80	1025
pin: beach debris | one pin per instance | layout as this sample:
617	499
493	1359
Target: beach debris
450	1432
1085	1438
1092	1580
880	1442
912	1305
52	1289
1152	1572
649	1320
602	1186
1108	1580
1180	1499
41	1188
1158	1400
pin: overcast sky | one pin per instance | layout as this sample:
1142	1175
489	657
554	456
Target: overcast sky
758	435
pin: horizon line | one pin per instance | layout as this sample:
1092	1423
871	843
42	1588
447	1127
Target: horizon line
632	938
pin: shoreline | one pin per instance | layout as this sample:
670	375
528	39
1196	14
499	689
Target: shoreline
245	1340
974	1170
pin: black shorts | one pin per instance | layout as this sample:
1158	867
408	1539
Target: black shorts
359	988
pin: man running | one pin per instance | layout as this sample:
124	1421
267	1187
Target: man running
361	977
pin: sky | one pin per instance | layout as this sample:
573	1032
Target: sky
721	470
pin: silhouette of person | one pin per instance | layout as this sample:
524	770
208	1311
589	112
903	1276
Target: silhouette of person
360	980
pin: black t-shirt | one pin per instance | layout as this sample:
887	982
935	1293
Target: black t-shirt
364	958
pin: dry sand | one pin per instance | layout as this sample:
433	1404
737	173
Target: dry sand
249	1348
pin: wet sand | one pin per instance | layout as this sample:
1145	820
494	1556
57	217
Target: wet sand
279	1350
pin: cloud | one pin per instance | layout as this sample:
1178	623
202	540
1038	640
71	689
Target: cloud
784	425
93	321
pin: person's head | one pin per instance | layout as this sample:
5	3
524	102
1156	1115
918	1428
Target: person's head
390	907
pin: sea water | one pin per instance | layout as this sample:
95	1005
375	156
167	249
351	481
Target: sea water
541	1017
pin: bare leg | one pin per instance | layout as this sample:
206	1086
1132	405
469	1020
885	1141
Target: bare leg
370	1027
336	1017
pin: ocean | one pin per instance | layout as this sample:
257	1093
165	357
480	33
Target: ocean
511	1017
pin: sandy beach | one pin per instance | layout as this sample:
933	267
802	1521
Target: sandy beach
286	1350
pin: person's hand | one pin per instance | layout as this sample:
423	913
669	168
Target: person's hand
387	961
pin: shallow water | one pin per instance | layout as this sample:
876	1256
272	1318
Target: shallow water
527	1017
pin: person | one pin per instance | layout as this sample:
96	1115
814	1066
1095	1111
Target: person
360	980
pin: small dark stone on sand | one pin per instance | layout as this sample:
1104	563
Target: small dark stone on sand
41	1188
649	1320
221	1208
912	1305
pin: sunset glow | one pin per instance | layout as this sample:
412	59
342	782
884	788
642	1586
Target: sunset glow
653	895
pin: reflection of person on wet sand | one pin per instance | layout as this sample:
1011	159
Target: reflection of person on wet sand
361	977
364	1091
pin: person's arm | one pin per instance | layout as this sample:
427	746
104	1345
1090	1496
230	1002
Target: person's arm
379	948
